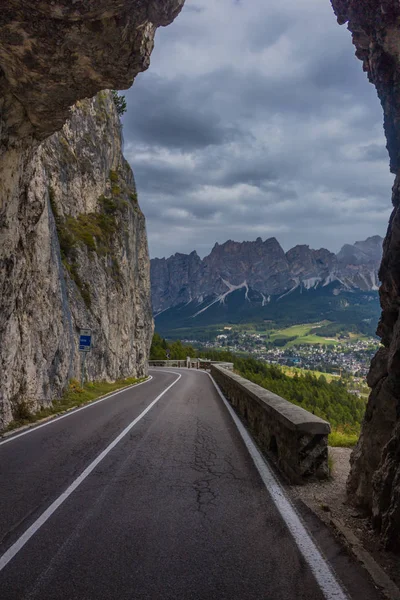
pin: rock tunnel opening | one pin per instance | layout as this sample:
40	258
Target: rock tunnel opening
32	113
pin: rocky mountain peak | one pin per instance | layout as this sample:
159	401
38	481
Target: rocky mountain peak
369	250
264	267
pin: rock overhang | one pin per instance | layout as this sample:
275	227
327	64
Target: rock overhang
53	53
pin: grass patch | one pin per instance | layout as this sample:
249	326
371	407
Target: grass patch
300	335
95	231
341	439
292	371
310	338
306	333
73	397
116	190
298	330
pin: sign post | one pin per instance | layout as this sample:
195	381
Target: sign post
85	344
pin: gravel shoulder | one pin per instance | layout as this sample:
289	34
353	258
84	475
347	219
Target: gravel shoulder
328	500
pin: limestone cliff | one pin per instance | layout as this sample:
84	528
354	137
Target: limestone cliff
73	248
375	477
76	256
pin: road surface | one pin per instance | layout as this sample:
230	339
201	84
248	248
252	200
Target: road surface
108	503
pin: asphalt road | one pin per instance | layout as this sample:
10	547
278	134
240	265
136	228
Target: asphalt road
97	506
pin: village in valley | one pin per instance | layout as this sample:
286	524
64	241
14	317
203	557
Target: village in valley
297	347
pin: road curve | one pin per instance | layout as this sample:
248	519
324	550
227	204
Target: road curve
111	503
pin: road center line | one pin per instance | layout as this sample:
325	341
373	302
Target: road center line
73	412
323	574
20	543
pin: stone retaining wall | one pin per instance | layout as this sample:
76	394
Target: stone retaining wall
206	364
297	439
167	363
194	363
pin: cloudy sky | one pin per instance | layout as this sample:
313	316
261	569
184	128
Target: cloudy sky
255	119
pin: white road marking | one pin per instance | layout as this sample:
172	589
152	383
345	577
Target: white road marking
20	543
72	412
326	579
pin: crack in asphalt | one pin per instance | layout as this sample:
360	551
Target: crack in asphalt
209	462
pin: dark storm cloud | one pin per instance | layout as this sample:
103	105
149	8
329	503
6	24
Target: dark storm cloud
173	117
257	120
163	179
256	175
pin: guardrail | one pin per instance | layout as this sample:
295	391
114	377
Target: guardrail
193	363
297	439
167	363
206	364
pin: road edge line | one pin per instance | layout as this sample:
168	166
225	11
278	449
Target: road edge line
322	572
13	435
36	525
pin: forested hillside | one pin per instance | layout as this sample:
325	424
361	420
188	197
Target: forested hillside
328	400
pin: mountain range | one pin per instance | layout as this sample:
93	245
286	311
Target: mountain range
253	280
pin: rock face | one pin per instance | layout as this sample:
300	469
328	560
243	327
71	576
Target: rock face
73	249
174	281
374	482
265	268
54	52
73	254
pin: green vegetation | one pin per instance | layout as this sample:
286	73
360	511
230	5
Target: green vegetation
95	231
299	330
68	243
321	333
326	396
176	350
283	341
329	334
73	397
328	400
339	438
291	371
120	103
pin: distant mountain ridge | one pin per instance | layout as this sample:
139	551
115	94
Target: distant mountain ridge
263	271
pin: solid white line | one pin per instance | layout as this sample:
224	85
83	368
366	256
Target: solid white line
20	543
73	412
326	579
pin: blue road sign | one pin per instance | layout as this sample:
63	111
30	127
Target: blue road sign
85	340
